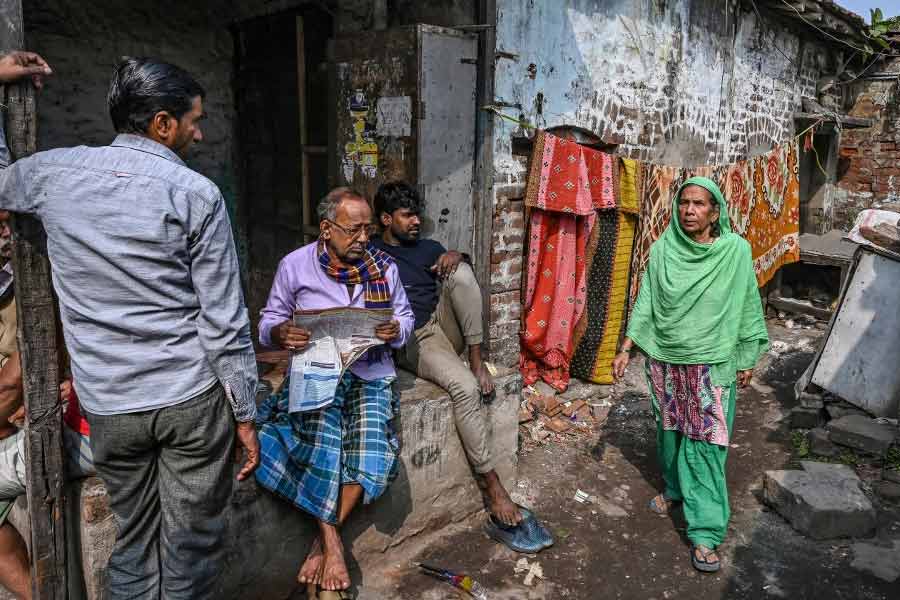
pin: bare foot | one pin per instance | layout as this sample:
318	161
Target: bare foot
500	504
311	571
485	381
335	576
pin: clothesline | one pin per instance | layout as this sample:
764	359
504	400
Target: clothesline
492	108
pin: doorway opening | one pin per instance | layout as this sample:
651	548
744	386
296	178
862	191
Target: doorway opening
281	89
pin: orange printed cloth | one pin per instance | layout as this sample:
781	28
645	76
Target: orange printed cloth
763	196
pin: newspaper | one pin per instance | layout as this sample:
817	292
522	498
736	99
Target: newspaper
338	337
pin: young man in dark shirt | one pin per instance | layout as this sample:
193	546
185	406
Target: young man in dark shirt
448	322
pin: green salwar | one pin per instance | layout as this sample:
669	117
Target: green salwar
694	473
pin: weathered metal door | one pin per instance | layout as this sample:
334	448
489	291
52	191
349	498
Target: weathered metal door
405	101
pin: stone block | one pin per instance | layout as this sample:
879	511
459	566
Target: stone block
809	400
820	443
266	537
862	433
805	418
881	560
888	490
842	409
821	501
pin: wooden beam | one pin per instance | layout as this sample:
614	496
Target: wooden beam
306	203
37	346
846	120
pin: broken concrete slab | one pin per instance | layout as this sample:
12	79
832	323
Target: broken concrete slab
881	561
820	443
862	433
805	418
843	409
821	501
887	490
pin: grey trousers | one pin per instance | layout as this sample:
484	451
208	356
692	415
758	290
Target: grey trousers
168	473
433	354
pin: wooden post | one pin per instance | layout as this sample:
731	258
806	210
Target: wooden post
37	346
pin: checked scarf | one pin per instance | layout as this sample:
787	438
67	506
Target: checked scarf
370	271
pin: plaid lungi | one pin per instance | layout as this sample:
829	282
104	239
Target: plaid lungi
307	456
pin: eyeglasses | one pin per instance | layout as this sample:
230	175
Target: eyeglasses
357	231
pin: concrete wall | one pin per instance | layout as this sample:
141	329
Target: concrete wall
84	40
869	167
684	82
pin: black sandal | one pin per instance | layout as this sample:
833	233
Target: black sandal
703	564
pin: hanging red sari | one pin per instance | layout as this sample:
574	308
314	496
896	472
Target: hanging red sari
567	183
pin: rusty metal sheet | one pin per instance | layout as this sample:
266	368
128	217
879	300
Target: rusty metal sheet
368	67
858	360
447	136
405	103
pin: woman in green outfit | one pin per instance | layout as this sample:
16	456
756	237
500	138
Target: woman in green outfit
698	319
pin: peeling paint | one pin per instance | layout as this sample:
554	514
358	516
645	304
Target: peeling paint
685	83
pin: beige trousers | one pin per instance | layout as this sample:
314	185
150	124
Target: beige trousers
434	351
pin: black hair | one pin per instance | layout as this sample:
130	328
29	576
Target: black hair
397	195
142	87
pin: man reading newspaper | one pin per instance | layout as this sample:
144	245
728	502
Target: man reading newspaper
324	460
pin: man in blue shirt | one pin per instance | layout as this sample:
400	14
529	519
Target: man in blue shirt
147	277
448	323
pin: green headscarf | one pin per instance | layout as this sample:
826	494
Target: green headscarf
698	303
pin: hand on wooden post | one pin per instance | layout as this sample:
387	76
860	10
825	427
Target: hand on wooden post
18	64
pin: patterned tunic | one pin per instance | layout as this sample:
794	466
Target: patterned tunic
688	402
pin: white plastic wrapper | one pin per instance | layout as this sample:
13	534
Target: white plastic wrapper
869	218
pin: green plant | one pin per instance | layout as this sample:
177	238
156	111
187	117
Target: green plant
848	457
878	29
800	443
892	458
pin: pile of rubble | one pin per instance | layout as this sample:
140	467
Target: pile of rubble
825	499
836	427
544	417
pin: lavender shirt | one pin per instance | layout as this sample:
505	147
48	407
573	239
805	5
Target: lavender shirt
300	283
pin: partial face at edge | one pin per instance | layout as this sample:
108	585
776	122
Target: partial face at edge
5	236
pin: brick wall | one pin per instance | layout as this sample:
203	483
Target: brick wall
507	243
869	166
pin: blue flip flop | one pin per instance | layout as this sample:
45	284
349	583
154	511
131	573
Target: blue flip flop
528	537
536	530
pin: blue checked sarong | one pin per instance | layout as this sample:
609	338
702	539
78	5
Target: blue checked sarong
307	456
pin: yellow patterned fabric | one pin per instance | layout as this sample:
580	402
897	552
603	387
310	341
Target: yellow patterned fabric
609	259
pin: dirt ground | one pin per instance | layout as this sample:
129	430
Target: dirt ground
619	549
